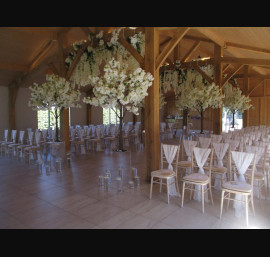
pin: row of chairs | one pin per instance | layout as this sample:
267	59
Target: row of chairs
102	136
211	160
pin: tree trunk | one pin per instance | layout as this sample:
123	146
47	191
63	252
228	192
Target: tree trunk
233	119
120	138
56	127
201	122
185	116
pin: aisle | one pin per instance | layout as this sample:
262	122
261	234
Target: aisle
73	199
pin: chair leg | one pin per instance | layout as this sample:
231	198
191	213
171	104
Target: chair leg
191	191
160	185
168	191
247	210
151	187
183	192
176	185
202	192
229	196
211	194
252	203
221	205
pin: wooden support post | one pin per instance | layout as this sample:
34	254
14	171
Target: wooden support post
64	118
245	92
152	102
89	108
217	113
12	95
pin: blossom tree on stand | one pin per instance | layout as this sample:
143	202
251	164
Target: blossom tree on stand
202	94
120	88
234	100
55	93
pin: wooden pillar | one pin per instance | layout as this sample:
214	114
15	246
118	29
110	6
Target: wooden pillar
245	90
12	95
89	108
217	113
64	118
152	102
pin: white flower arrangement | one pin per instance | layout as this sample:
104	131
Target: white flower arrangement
138	42
99	51
234	100
120	88
56	92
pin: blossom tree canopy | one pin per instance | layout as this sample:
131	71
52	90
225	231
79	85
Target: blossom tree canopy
56	92
120	88
234	100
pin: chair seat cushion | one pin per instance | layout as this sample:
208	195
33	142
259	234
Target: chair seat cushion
163	173
257	175
219	169
237	186
185	163
196	177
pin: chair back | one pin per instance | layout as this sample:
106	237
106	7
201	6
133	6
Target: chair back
6	135
13	136
30	137
21	136
187	147
200	159
169	156
239	163
37	137
204	142
220	149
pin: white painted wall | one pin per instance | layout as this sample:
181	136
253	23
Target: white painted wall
24	115
78	115
3	111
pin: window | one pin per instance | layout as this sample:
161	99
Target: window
109	116
227	118
46	119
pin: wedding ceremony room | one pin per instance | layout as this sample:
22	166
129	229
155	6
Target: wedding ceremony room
134	127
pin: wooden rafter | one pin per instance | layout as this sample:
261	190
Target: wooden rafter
53	68
41	54
226	66
246	47
256	86
229	75
179	34
250	61
191	51
76	60
132	50
13	67
197	68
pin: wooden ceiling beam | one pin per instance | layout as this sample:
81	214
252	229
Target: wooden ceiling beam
132	50
197	68
41	54
256	86
191	51
13	67
231	74
249	61
179	34
246	47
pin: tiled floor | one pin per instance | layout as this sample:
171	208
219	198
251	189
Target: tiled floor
72	199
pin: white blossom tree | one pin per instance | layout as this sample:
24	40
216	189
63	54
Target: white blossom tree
119	88
55	93
199	94
234	100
